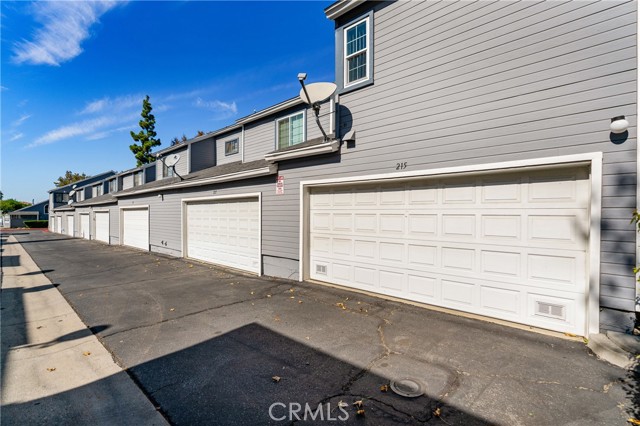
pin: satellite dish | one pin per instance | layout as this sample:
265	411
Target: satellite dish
317	92
74	186
69	202
172	160
72	193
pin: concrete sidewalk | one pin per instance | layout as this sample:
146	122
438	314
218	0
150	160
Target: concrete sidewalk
54	369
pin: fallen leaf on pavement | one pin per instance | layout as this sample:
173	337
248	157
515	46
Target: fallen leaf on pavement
634	421
299	301
342	404
291	290
570	335
276	379
50	369
341	305
437	412
292	297
268	295
86	353
172	309
384	388
358	404
38	327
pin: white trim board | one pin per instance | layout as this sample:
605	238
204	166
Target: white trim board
593	159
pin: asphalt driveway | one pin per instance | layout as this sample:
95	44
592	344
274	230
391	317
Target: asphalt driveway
211	346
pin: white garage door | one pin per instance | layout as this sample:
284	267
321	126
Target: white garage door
85	226
102	226
59	224
225	232
70	225
509	245
135	228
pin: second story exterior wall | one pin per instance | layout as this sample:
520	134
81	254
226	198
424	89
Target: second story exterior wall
182	167
228	151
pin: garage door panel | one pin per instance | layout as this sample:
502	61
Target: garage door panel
70	226
85	226
102	226
135	228
225	233
474	244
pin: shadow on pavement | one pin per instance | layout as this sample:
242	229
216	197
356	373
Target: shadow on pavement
229	380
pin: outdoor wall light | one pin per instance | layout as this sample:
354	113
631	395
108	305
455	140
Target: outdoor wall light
619	124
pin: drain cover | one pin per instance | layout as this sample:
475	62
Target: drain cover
407	387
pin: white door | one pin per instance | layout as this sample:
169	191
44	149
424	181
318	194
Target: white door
59	224
70	226
102	226
135	228
505	245
85	226
226	232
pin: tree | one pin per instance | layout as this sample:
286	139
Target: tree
1	195
176	141
12	204
145	139
69	177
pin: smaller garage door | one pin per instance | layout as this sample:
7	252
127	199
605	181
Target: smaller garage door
59	224
226	232
135	228
70	226
85	226
102	226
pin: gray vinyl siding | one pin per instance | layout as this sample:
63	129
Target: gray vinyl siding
259	139
114	224
203	154
182	166
460	83
313	131
127	181
221	157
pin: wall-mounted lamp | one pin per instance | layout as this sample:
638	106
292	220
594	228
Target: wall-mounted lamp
619	124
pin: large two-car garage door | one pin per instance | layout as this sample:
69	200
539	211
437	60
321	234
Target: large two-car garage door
509	245
225	232
135	228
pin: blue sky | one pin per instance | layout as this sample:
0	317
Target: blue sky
74	75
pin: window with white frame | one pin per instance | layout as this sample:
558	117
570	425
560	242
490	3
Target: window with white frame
356	52
290	130
167	171
137	178
231	147
112	185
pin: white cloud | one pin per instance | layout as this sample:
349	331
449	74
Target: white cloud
16	136
21	120
225	109
91	129
3	88
113	105
65	25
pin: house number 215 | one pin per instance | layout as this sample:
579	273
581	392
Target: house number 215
401	166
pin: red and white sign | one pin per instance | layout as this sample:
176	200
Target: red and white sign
280	185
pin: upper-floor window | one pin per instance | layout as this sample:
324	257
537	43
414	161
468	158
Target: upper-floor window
61	197
80	195
290	130
113	185
167	171
137	178
97	190
231	147
355	53
356	50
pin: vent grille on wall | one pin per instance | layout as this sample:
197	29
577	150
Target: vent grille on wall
321	269
550	310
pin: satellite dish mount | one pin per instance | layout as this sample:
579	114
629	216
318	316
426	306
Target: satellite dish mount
171	162
314	94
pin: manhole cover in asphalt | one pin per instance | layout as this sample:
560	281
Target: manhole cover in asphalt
407	387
